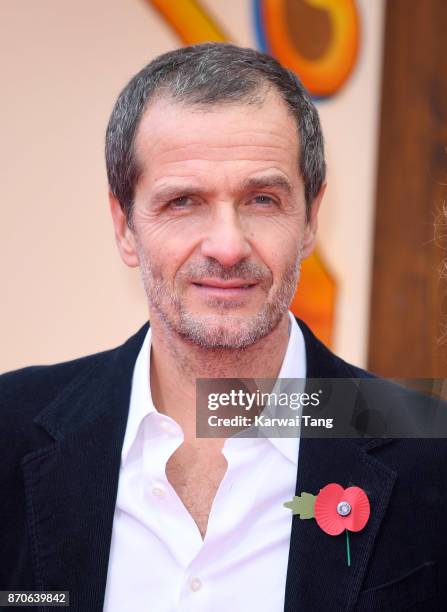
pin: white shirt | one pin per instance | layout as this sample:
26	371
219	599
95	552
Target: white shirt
158	560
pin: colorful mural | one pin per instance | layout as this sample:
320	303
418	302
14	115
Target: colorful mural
317	39
190	20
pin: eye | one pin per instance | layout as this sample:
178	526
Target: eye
263	200
180	203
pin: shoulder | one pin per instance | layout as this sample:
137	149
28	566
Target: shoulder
30	388
376	406
323	363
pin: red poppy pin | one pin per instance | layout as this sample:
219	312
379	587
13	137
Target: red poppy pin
335	509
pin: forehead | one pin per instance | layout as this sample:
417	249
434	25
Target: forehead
180	139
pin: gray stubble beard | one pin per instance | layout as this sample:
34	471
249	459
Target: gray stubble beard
201	330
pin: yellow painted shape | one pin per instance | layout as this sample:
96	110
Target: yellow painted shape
190	21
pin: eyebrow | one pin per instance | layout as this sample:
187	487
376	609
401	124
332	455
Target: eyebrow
170	192
274	180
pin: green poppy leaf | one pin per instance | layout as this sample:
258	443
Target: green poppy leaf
303	505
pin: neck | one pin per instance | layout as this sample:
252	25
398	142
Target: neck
177	363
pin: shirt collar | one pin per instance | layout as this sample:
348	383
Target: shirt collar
293	366
141	403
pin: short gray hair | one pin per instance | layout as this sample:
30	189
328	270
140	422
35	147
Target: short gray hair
210	73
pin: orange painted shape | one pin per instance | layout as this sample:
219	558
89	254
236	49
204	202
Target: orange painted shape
192	24
325	75
315	297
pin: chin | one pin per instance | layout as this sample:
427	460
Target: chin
216	331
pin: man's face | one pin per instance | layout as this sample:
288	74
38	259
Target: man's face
219	220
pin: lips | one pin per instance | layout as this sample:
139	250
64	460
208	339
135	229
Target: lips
220	284
233	291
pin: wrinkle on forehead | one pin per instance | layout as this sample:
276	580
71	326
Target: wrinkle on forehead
170	131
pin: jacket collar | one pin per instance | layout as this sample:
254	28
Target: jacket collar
321	362
102	384
106	382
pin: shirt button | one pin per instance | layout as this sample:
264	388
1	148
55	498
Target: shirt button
195	584
158	492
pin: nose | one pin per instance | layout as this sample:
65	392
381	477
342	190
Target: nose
225	240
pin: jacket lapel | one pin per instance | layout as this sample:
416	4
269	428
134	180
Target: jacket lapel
318	577
71	485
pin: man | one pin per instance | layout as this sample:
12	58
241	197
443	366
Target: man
216	171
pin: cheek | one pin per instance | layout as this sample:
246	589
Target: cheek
276	243
159	228
167	244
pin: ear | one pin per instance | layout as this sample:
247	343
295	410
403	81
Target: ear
124	236
310	231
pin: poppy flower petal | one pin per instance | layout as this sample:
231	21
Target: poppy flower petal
327	516
361	509
325	509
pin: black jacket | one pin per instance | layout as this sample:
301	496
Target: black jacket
61	433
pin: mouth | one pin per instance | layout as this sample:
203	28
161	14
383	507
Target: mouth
235	288
219	284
